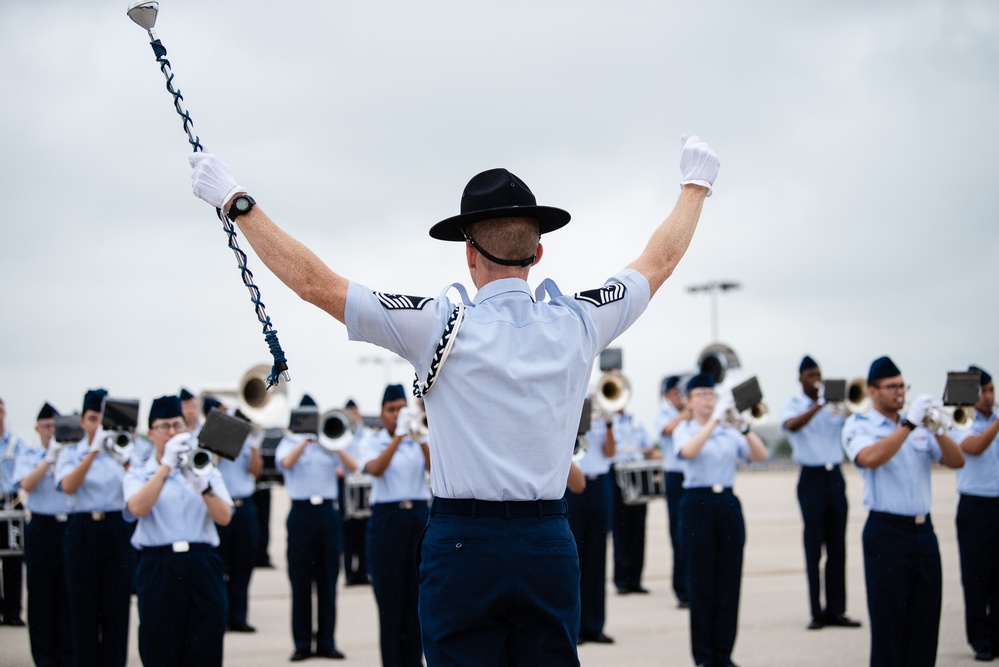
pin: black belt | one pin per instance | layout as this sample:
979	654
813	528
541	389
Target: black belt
399	505
96	516
504	508
315	502
716	489
909	520
980	499
825	467
239	502
176	548
49	518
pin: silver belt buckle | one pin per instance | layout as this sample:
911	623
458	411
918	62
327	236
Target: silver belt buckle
97	516
830	466
920	519
406	505
181	546
316	500
62	518
237	503
717	488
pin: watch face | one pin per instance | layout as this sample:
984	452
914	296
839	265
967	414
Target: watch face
242	204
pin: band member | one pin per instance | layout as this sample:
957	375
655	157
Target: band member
814	434
398	463
978	523
49	629
238	539
589	518
179	579
355	529
11	579
628	532
714	531
99	558
901	554
313	529
505	408
672	413
189	405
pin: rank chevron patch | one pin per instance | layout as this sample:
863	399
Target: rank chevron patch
609	293
401	301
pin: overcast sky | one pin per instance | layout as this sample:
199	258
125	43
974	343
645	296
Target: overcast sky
856	201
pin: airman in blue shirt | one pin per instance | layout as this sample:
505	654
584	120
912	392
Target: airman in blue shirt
672	413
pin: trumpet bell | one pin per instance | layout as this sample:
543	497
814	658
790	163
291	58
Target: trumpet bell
613	392
719	360
963	416
336	430
260	404
119	444
758	414
198	462
857	399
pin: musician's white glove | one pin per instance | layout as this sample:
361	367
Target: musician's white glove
255	439
698	162
120	457
97	444
822	394
919	408
404	422
211	179
173	450
198	483
724	404
52	453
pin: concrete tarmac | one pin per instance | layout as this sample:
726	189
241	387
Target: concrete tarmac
649	630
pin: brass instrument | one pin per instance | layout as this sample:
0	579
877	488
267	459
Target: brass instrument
119	444
613	391
857	399
336	430
197	462
719	360
940	417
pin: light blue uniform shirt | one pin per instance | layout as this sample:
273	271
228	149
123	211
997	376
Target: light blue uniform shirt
715	464
506	404
142	449
313	475
980	474
236	473
179	514
671	458
10	447
101	488
902	485
46	498
594	462
405	477
631	438
817	443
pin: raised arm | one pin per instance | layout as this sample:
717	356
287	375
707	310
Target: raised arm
294	264
670	240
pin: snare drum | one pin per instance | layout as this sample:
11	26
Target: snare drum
641	481
12	530
357	504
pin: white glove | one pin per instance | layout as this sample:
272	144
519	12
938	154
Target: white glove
175	446
918	409
724	404
121	458
822	394
97	445
211	179
698	162
52	453
404	421
255	439
198	483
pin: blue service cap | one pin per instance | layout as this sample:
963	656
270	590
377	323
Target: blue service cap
985	379
807	364
165	407
882	368
706	380
47	412
393	392
94	399
209	404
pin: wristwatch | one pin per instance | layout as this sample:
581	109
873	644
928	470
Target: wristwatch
208	490
240	205
907	424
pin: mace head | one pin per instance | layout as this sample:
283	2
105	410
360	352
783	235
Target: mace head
143	13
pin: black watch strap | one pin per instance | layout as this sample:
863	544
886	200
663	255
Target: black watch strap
208	490
241	204
907	424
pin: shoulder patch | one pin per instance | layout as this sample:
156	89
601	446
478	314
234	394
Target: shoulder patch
401	301
601	296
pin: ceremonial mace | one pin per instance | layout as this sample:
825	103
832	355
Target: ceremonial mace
144	14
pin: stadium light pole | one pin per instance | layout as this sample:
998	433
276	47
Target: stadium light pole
713	287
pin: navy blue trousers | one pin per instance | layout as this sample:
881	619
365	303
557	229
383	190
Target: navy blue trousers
904	588
393	535
714	535
628	536
589	514
238	550
11	581
99	577
978	543
49	623
182	607
499	591
313	558
674	492
355	532
262	501
822	498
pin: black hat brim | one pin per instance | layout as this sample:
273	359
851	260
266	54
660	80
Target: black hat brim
549	219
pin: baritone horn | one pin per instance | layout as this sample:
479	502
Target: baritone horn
336	430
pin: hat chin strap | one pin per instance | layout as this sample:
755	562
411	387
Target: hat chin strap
496	260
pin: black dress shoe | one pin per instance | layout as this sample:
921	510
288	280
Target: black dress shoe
16	622
330	653
595	637
299	655
842	621
641	590
816	624
984	656
241	627
683	604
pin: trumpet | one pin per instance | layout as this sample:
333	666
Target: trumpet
754	415
119	444
613	391
856	399
197	462
940	417
336	430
